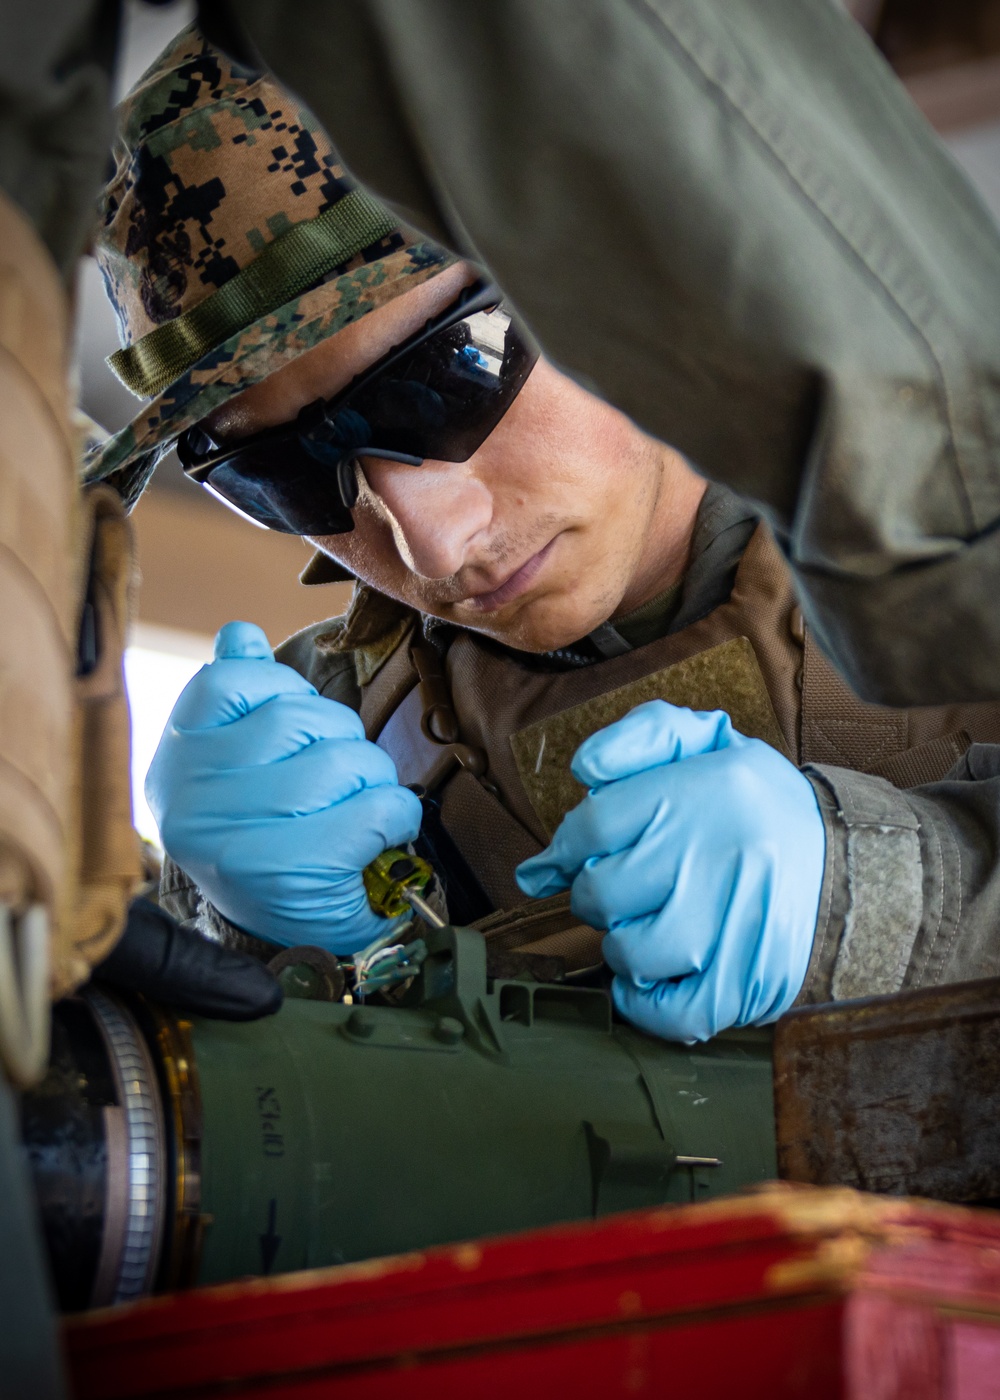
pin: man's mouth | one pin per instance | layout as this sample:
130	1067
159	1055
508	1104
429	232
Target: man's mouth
513	585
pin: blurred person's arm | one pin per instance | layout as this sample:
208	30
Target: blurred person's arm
56	69
730	219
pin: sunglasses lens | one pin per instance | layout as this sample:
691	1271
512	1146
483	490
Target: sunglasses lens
441	400
438	398
296	494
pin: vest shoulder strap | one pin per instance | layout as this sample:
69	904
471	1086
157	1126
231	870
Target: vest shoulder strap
385	692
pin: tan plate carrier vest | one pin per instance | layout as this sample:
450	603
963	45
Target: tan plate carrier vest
494	736
69	859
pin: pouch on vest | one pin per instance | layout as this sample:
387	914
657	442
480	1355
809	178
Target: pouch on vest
37	492
41	846
105	851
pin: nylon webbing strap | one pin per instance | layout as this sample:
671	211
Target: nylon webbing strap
285	267
837	727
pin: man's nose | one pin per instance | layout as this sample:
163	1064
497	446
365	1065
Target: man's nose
440	509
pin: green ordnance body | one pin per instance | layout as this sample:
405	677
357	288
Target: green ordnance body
335	1132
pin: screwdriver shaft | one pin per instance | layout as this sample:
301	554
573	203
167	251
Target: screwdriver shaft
420	906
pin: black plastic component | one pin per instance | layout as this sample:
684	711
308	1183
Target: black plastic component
467	900
88	650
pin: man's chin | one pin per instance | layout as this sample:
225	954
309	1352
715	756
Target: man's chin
526	631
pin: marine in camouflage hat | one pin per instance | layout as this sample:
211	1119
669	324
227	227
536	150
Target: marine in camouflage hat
231	242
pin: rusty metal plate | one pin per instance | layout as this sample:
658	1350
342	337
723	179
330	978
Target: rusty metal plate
896	1094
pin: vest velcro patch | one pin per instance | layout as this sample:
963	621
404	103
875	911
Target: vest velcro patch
725	677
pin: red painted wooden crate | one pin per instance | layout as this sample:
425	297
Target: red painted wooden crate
786	1292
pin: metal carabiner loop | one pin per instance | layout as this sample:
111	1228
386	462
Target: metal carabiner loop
24	993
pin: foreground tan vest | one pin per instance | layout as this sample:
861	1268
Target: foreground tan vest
68	857
494	735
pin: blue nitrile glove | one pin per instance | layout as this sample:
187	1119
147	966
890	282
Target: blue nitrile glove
702	853
273	800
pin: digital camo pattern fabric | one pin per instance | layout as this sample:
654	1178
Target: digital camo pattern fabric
214	162
128	459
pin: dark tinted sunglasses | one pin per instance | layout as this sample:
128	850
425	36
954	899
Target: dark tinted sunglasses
437	397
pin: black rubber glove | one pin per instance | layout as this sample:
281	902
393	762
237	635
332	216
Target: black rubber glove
175	965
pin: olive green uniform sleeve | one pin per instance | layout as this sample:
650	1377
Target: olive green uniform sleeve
695	203
911	892
727	216
56	63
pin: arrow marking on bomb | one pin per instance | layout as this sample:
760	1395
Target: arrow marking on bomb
269	1242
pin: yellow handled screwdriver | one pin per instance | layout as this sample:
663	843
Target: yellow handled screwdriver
395	882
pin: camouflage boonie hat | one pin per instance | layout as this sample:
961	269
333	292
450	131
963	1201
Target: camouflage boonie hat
231	242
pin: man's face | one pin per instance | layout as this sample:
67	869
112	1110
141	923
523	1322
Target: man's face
566	515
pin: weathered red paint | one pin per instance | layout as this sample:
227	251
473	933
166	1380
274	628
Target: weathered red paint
790	1292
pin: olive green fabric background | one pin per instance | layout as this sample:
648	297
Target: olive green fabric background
728	216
